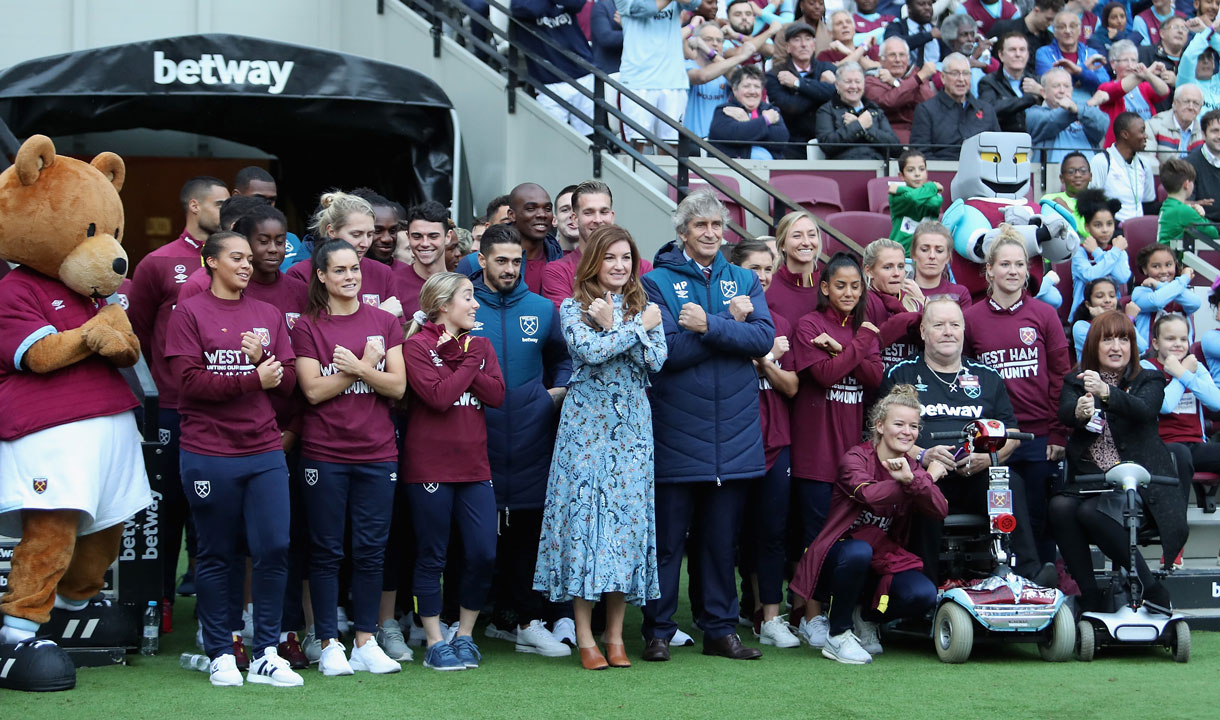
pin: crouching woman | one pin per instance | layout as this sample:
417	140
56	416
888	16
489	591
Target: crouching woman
859	557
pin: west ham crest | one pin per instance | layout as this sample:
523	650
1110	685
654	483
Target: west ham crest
1028	335
291	319
371	299
311	476
164	435
40	485
728	288
203	488
529	324
263	335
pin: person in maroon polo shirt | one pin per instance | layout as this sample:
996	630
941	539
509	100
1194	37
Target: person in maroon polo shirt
153	295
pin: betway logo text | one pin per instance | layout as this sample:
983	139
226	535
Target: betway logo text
214	69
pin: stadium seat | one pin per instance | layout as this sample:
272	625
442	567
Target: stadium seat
816	193
862	227
736	212
1064	271
1206	485
1140	232
879	194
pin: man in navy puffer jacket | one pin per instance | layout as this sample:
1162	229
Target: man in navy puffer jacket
705	421
524	329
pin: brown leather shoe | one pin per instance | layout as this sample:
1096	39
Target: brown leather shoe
657	650
592	659
617	656
730	647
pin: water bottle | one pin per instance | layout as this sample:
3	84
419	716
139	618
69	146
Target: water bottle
151	642
191	661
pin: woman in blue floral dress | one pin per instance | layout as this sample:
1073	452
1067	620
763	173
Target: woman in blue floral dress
599	538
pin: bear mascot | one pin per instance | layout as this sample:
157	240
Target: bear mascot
71	468
990	188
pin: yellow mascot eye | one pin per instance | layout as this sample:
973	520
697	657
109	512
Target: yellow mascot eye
990	157
1020	158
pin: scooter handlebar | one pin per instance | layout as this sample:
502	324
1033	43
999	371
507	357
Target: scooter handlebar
1152	479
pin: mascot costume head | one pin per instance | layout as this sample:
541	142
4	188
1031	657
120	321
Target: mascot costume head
71	468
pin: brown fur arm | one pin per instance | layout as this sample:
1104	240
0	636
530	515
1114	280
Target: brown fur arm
109	334
57	351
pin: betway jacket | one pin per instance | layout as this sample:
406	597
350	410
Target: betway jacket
705	398
523	327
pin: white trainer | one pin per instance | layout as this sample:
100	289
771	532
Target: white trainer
538	640
223	672
494	631
333	662
371	658
416	636
681	639
845	648
345	626
775	632
565	631
868	633
311	646
390	638
814	631
271	669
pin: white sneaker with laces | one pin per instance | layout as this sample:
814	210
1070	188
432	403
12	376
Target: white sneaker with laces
345	626
311	646
814	631
391	641
223	672
371	658
845	648
565	631
538	640
868	633
507	633
681	639
333	662
271	669
775	632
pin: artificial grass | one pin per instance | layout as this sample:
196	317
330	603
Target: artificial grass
906	682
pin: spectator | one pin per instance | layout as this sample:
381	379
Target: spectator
1102	251
1177	215
1075	175
842	49
1175	132
747	127
606	36
1012	89
931	249
952	115
1198	65
799	85
1148	23
922	36
1163	289
850	127
1168	52
870	24
899	87
653	65
780	11
605	550
877	489
1113	28
1035	25
1205	159
960	34
1086	65
1136	88
741	28
705	422
913	200
987	14
813	14
1109	380
555	21
523	329
1100	295
1061	126
794	290
1205	11
1119	170
706	69
1089	22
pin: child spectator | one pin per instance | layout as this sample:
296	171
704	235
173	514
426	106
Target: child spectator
1162	290
1101	253
1177	215
914	199
1100	295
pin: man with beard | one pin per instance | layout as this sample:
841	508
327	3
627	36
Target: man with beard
151	300
1035	25
921	34
524	329
799	85
530	211
743	23
900	86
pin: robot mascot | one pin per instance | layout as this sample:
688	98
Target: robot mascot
990	188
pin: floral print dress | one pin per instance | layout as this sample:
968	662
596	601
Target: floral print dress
599	529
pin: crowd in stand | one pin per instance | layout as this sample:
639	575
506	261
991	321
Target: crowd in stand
411	425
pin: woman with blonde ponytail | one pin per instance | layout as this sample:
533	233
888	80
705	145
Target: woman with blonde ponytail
451	375
864	539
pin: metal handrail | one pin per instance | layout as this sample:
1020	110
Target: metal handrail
443	12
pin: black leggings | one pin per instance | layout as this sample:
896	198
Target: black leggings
1077	523
1192	458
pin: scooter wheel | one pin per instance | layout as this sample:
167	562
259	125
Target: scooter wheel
1181	641
1086	641
1058	648
953	633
